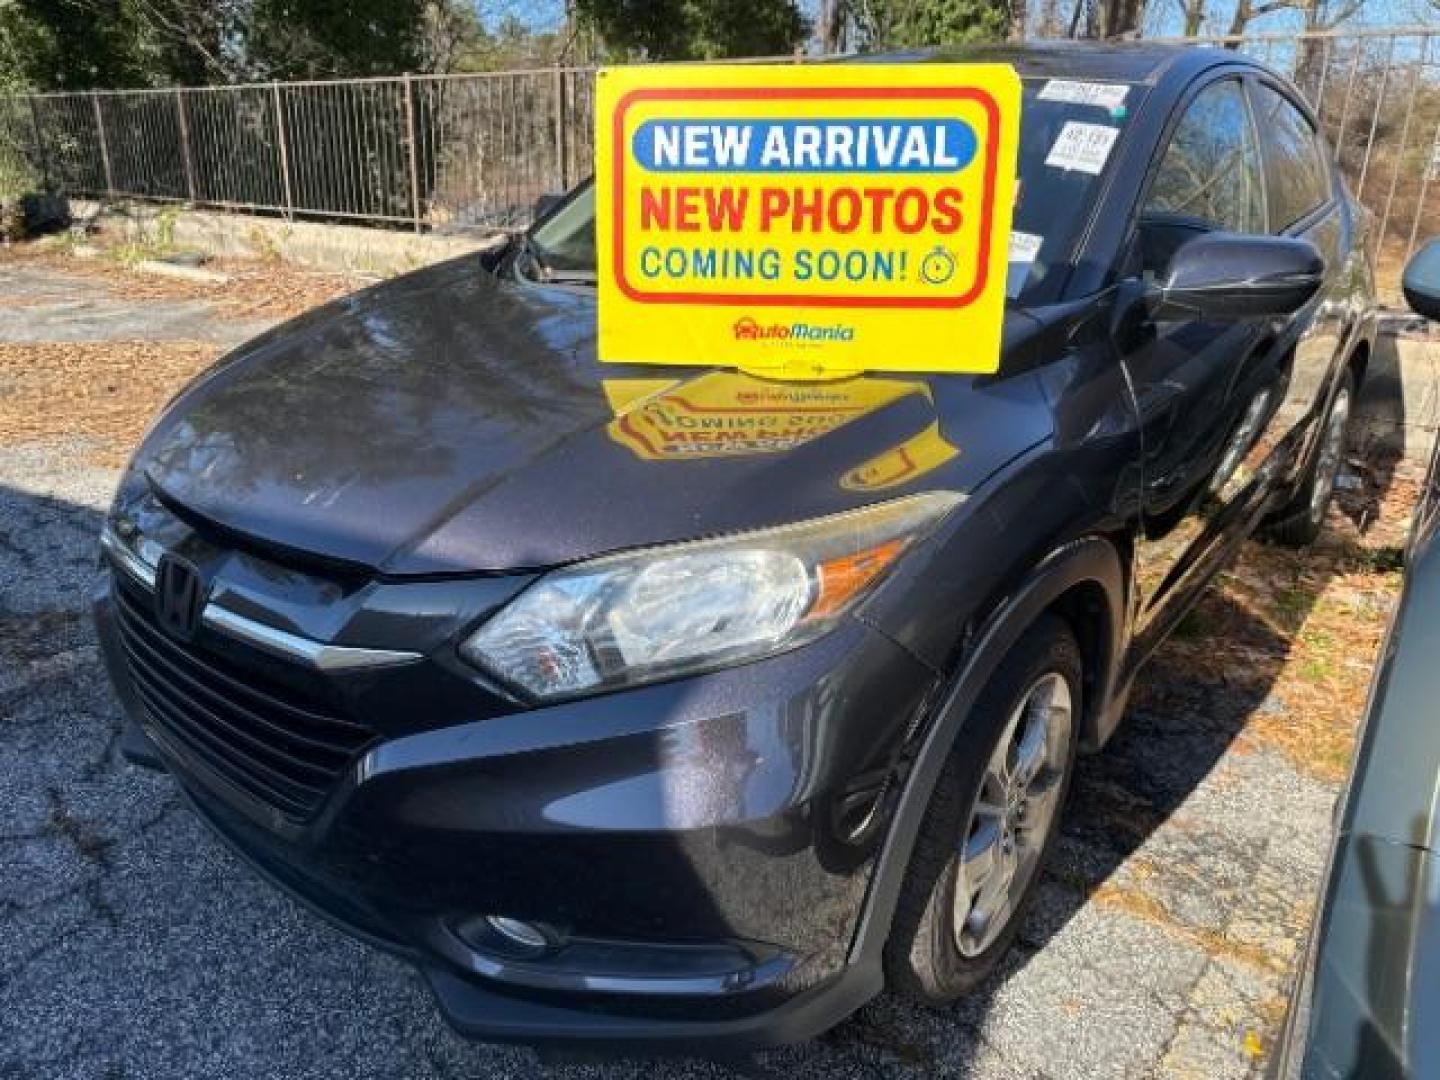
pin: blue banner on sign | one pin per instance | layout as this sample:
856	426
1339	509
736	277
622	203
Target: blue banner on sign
805	146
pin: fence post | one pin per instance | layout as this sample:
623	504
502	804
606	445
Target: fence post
104	146
562	163
284	153
414	159
40	143
185	158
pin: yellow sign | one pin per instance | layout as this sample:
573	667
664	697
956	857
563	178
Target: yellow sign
805	221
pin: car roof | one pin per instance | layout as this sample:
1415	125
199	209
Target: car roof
1140	62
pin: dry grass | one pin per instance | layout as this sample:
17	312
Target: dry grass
1390	267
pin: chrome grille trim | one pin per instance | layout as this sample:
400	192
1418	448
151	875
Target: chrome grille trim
126	558
313	654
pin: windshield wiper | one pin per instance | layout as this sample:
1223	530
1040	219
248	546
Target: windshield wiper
531	251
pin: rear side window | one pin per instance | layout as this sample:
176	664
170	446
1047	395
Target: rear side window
1211	175
1299	179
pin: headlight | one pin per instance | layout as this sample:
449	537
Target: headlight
683	608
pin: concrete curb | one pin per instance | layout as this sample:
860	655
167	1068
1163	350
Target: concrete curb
184	273
350	249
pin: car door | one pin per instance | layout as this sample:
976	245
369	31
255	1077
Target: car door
1303	195
1206	390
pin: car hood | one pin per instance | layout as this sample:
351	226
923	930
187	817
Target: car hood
451	422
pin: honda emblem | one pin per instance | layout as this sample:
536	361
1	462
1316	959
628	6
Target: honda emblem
179	596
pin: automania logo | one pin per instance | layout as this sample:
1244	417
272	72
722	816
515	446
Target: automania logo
747	329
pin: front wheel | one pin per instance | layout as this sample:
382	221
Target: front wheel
1300	523
991	822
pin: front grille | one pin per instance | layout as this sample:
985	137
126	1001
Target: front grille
262	737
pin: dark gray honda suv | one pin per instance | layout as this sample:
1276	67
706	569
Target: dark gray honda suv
645	706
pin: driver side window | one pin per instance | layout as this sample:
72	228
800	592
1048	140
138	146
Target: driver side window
1210	177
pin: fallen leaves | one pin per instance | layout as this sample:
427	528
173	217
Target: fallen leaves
1145	907
102	392
107	392
1284	642
254	289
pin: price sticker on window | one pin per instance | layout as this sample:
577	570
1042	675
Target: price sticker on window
1082	147
805	221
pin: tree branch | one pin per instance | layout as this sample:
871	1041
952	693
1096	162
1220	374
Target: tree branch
1349	11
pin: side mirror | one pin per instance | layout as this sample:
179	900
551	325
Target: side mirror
544	204
1421	283
1233	277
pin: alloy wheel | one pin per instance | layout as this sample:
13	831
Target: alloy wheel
1013	814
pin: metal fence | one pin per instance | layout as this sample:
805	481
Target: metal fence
443	151
421	151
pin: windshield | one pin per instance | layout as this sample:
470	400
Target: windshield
1059	171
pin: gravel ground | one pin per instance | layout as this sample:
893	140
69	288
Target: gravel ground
133	945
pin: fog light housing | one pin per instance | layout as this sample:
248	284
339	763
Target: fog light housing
505	936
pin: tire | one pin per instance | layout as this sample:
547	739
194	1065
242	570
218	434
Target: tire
933	956
1300	523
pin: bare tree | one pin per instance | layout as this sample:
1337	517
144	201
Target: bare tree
1051	23
830	26
1017	20
1315	14
1192	12
446	30
1109	19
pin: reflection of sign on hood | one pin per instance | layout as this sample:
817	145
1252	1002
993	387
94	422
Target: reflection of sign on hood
726	414
900	465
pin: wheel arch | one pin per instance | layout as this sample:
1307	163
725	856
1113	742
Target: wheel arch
1086	610
1084	582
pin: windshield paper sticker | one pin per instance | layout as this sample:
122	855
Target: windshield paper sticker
1104	95
1082	147
805	221
1024	247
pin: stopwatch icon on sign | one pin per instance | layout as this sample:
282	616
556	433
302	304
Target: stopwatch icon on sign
937	267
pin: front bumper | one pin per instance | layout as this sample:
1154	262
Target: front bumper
701	850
